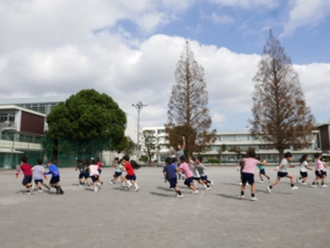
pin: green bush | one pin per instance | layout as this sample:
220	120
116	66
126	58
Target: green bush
213	161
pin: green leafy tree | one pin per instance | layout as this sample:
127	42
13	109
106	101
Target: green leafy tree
88	116
151	143
127	146
144	158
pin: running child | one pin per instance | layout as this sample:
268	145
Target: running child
27	172
262	171
250	164
240	169
94	175
118	171
130	177
189	181
201	169
170	176
303	168
196	175
55	180
38	175
282	172
319	171
99	165
83	176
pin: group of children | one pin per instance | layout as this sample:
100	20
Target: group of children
249	163
38	174
192	172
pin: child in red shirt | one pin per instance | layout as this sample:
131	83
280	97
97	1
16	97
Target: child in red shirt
27	171
130	176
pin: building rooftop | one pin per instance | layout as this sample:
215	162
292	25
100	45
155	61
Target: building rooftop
30	100
8	107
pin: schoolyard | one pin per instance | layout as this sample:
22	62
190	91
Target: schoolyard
154	217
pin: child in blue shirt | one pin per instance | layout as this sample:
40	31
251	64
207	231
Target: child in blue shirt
55	181
170	176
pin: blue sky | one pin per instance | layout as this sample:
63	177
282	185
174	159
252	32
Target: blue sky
245	30
129	50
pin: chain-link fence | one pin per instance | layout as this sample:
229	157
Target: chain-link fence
15	145
69	151
64	152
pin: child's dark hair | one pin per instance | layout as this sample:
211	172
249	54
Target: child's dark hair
93	161
174	160
120	161
24	159
168	160
244	156
303	158
251	154
135	165
193	158
317	155
116	159
258	158
39	161
183	158
50	161
126	157
200	158
288	155
87	162
79	161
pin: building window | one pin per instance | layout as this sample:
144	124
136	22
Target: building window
228	138
3	117
161	131
11	117
242	137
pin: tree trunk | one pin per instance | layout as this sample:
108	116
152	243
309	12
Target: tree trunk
281	152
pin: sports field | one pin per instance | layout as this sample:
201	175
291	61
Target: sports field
154	217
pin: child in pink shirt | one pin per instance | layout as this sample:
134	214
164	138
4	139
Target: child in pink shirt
184	167
250	164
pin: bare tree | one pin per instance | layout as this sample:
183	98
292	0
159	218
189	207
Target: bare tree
188	114
280	114
151	143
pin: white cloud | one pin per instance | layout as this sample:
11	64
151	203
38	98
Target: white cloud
72	58
306	13
248	4
221	19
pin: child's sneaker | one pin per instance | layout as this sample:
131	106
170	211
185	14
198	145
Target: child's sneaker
269	190
195	192
294	188
179	196
39	190
254	199
110	181
95	189
324	186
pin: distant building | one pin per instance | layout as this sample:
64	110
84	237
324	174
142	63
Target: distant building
239	140
43	105
323	138
21	132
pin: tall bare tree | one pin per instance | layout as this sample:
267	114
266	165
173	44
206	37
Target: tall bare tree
188	113
280	114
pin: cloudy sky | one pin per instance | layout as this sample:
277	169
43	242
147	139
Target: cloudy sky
129	50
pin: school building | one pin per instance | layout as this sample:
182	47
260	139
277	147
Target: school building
223	148
21	133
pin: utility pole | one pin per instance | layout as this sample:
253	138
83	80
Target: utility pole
139	106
